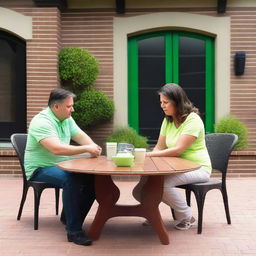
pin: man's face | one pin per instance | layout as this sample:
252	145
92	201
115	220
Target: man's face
64	109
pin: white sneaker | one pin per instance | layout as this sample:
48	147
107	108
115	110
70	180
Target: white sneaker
186	224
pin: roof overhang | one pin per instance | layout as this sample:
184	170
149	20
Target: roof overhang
61	4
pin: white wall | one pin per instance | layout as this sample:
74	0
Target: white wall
16	23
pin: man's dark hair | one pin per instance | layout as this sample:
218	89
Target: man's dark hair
57	95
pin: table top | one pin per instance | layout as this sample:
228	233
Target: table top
152	166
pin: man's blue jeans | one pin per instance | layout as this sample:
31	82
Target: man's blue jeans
78	193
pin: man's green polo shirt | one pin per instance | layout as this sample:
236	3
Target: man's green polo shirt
45	125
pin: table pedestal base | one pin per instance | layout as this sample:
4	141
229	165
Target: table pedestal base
107	194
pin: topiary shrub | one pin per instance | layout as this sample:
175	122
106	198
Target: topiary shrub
128	135
92	107
78	66
230	124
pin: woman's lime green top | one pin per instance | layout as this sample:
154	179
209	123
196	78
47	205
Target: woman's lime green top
193	125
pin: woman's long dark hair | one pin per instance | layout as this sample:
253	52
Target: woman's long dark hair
180	99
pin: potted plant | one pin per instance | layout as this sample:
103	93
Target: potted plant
77	68
230	124
128	135
92	107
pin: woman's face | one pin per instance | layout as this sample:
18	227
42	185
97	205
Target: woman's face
167	105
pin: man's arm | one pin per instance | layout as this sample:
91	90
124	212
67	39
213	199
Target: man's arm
86	145
82	138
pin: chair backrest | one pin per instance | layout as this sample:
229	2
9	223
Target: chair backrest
220	146
19	141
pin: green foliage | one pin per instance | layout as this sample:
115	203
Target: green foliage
78	69
92	107
78	66
230	124
128	135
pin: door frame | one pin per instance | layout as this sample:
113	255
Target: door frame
218	27
19	86
171	72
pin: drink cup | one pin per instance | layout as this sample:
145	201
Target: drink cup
111	148
139	155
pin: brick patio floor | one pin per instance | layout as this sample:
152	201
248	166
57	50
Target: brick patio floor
125	235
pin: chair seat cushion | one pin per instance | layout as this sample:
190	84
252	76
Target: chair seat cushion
208	183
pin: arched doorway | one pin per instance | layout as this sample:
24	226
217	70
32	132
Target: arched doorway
12	85
168	57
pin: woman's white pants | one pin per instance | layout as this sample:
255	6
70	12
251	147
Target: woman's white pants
171	195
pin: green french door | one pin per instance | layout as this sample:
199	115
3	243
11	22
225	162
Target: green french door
155	59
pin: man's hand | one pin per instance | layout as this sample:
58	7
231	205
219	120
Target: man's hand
57	148
94	150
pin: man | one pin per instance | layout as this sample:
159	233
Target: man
48	143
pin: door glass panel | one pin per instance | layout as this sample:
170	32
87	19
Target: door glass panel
151	76
184	56
7	92
192	70
12	85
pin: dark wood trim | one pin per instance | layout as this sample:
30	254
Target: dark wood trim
221	6
61	4
120	6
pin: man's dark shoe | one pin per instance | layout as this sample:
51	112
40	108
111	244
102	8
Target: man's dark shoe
79	238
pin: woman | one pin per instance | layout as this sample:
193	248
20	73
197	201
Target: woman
182	135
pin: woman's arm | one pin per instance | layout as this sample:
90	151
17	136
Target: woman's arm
183	142
160	145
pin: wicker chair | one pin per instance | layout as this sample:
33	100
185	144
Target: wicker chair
220	146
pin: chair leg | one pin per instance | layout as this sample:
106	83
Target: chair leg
200	198
57	196
225	200
37	195
173	214
188	196
23	199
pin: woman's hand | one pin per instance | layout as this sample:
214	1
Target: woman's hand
149	153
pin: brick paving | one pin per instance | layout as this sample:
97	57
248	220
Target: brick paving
125	235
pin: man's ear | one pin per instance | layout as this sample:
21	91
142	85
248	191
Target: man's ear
55	107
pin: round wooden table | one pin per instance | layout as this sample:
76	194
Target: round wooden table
107	193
